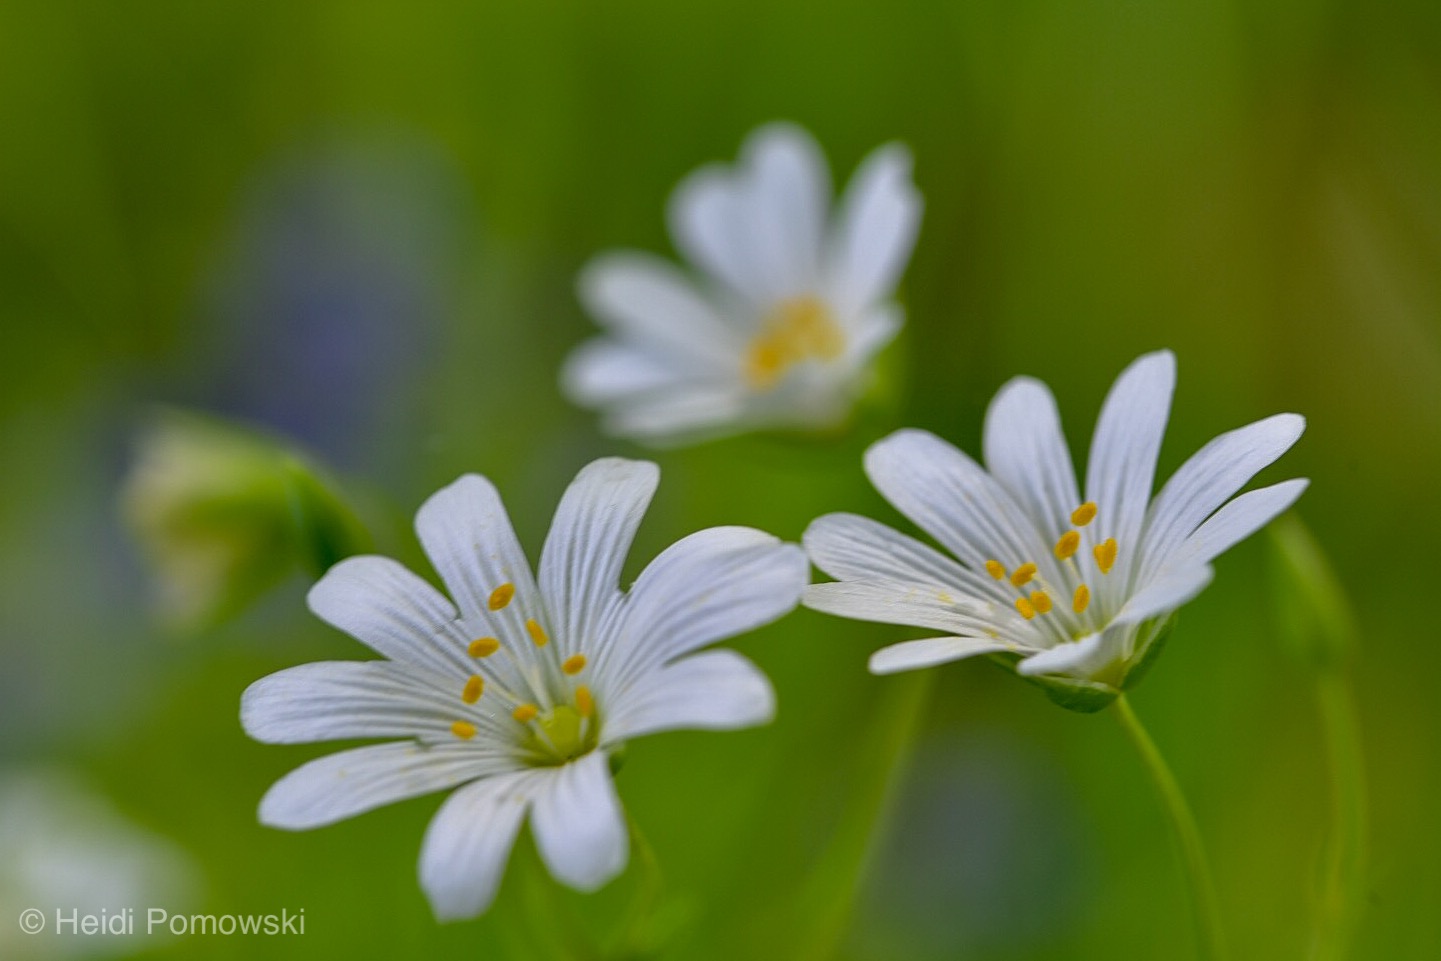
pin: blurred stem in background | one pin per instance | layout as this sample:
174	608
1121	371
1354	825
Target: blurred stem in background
1317	625
636	935
223	513
822	911
1188	837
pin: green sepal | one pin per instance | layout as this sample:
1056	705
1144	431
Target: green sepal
616	759
1154	634
326	529
1073	694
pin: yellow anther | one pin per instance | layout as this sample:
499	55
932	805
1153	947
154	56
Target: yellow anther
537	633
573	664
796	330
1025	607
1067	545
995	569
1106	555
584	703
525	713
1082	600
484	646
473	689
1041	601
501	596
1084	514
1023	574
463	730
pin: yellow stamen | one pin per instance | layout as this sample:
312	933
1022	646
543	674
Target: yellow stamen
995	569
473	689
1023	574
1082	600
525	713
796	330
501	596
1106	555
1084	514
584	703
1025	607
463	730
1067	545
573	664
1041	601
484	646
537	633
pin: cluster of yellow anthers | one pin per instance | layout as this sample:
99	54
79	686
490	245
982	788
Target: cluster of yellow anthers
1039	601
524	711
799	329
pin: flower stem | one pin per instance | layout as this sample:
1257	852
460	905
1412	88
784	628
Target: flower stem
1188	837
634	934
1343	872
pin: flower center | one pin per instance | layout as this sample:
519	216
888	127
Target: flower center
798	329
1040	600
555	717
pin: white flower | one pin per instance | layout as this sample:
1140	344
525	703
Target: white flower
522	688
793	304
1080	589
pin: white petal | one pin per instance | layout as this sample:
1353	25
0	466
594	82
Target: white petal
1077	658
689	412
392	610
1237	521
951	498
469	840
930	651
587	545
342	785
1210	478
712	585
467	536
1026	451
852	547
708	220
327	700
871	332
602	371
1122	465
713	690
789	196
875	231
578	823
651	304
1163	594
916	605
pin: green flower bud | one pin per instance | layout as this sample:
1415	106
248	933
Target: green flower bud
223	513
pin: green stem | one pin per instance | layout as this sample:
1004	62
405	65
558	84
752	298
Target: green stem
1188	837
633	940
1343	865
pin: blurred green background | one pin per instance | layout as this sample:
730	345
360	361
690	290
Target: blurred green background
357	225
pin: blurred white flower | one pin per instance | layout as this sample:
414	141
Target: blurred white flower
64	848
793	303
1080	589
523	687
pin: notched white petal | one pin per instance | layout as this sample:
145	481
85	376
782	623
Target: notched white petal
578	823
1077	658
930	651
713	690
391	609
342	785
468	843
329	700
